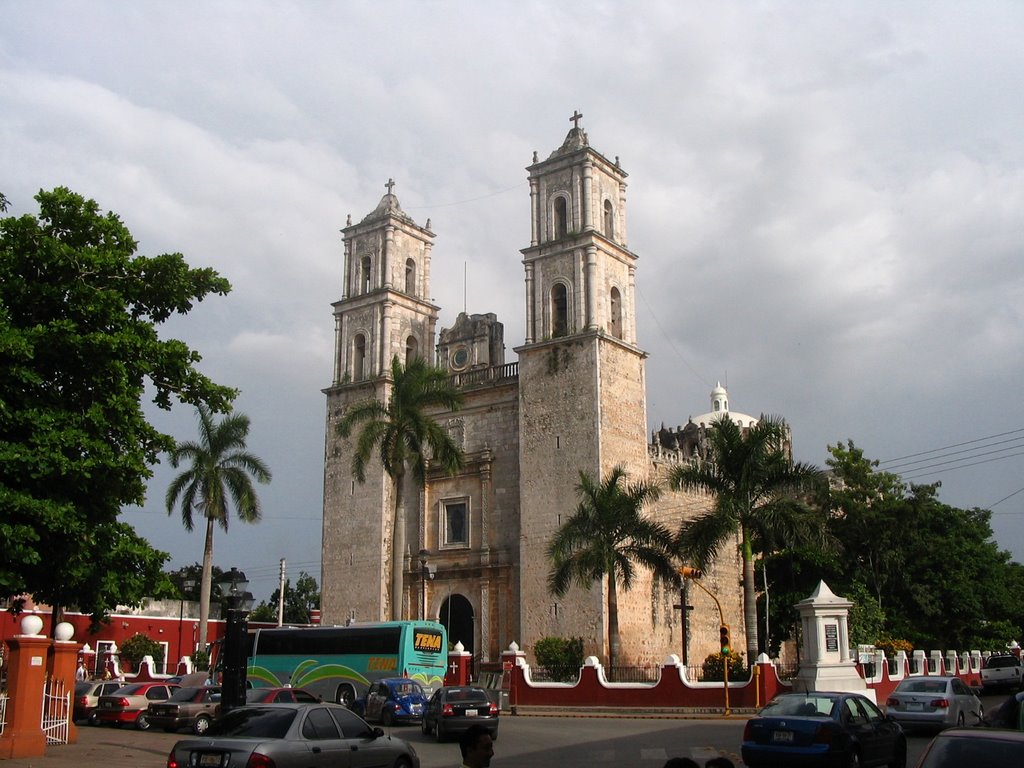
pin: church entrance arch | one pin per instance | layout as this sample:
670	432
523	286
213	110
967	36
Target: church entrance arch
457	617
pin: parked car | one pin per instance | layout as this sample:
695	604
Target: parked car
453	709
936	702
974	748
282	695
190	707
1002	671
87	697
823	729
128	703
393	700
293	736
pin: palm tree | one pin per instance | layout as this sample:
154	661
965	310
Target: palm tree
220	466
606	536
405	437
755	485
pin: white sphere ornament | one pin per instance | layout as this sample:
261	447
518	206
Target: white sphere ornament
31	625
64	631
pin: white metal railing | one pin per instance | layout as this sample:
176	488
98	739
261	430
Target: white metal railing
3	712
56	712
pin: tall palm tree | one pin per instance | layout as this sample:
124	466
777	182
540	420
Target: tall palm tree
755	485
404	437
606	537
220	467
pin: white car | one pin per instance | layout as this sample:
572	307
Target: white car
1002	671
934	702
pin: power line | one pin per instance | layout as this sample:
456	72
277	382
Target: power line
947	447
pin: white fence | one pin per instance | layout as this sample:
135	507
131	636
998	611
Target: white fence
56	712
3	712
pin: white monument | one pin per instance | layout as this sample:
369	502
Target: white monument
826	663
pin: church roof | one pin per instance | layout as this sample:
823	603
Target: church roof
388	206
575	140
720	410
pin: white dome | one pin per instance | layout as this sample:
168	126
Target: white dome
720	410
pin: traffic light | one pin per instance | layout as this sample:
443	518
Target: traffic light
691	573
723	636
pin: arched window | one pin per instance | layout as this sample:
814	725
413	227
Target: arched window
364	277
410	277
609	220
559	310
616	310
358	357
561	218
412	349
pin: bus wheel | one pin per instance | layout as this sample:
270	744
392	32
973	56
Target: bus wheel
345	695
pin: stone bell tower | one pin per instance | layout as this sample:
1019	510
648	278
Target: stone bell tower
581	373
384	312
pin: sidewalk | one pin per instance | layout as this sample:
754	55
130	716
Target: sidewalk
106	747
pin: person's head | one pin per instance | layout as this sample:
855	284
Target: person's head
719	762
681	762
476	746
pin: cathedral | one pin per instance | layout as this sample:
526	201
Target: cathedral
472	547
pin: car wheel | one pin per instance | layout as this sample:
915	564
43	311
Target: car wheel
425	727
960	720
402	762
440	732
142	723
387	718
200	726
345	695
854	759
93	719
899	758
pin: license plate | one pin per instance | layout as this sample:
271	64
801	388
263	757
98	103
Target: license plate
782	737
209	760
471	713
417	708
915	706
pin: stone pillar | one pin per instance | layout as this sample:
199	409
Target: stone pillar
512	662
825	661
26	676
459	666
62	663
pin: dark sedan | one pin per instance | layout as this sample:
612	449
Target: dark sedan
974	748
451	710
292	736
194	708
823	729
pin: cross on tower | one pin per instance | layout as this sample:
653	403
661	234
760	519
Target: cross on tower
576	117
390	185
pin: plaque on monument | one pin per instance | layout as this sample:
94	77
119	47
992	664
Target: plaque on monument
832	637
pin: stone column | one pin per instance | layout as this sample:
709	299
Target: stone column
591	288
26	676
531	334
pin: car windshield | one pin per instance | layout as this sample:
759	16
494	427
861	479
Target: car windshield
1002	661
806	706
406	688
921	686
81	689
466	694
254	722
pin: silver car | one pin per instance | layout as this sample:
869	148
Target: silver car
935	702
293	736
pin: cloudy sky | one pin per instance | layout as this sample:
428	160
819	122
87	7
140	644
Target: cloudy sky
827	200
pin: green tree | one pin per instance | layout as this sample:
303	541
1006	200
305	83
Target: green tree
404	436
219	467
757	493
607	536
137	647
299	602
194	574
80	312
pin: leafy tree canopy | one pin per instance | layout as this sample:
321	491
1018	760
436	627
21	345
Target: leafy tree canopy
79	314
299	601
193	573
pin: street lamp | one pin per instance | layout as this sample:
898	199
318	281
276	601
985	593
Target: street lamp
426	573
186	585
234	656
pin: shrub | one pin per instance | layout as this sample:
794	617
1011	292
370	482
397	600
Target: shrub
201	661
138	646
713	667
561	657
892	645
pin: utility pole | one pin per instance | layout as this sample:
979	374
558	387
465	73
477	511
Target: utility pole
280	596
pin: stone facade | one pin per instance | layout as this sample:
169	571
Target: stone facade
475	544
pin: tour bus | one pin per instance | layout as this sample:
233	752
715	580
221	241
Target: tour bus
339	663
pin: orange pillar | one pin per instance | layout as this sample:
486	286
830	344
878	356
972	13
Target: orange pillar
458	666
26	675
63	662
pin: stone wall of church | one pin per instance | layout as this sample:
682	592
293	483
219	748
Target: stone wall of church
357	522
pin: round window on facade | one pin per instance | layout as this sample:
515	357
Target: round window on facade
460	359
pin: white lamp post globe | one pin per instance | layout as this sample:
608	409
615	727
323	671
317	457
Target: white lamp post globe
31	625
